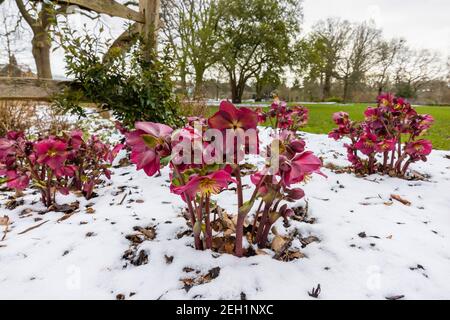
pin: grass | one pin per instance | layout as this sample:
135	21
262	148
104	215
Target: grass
320	120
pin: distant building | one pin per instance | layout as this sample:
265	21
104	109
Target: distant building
14	70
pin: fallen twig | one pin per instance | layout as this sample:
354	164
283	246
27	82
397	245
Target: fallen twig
123	199
33	227
65	217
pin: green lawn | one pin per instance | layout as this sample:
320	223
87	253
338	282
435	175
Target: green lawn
320	120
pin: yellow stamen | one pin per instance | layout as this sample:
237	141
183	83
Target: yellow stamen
209	186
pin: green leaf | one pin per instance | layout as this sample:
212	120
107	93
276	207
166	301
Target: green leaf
197	227
165	161
150	141
246	207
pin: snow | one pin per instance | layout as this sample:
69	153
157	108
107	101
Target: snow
406	250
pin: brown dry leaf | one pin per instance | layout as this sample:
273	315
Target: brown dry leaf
78	193
135	238
278	243
4	221
261	252
228	247
90	210
400	199
217	243
389	237
228	232
148	232
388	203
295	255
139	201
308	240
26	212
228	222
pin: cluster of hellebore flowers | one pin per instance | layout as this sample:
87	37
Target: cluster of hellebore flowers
202	166
281	116
389	137
54	163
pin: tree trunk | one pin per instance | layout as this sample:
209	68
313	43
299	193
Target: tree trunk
259	89
345	95
326	87
183	74
235	97
41	52
380	90
198	90
150	9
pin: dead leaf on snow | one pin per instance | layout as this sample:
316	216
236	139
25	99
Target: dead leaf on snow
261	252
90	210
400	199
201	279
4	221
278	243
149	232
13	203
308	240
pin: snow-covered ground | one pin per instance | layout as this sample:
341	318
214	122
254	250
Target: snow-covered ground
371	247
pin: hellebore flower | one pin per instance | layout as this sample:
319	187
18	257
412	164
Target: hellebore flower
264	186
366	143
148	144
16	181
262	117
335	134
212	183
386	145
15	135
294	170
385	99
148	160
51	152
110	156
419	148
76	139
422	123
371	114
229	117
341	118
6	148
294	194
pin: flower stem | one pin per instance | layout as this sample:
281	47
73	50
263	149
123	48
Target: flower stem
208	223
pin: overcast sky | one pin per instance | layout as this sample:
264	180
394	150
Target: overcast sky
423	23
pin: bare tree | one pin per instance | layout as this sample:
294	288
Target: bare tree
360	55
415	69
10	34
387	55
330	37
